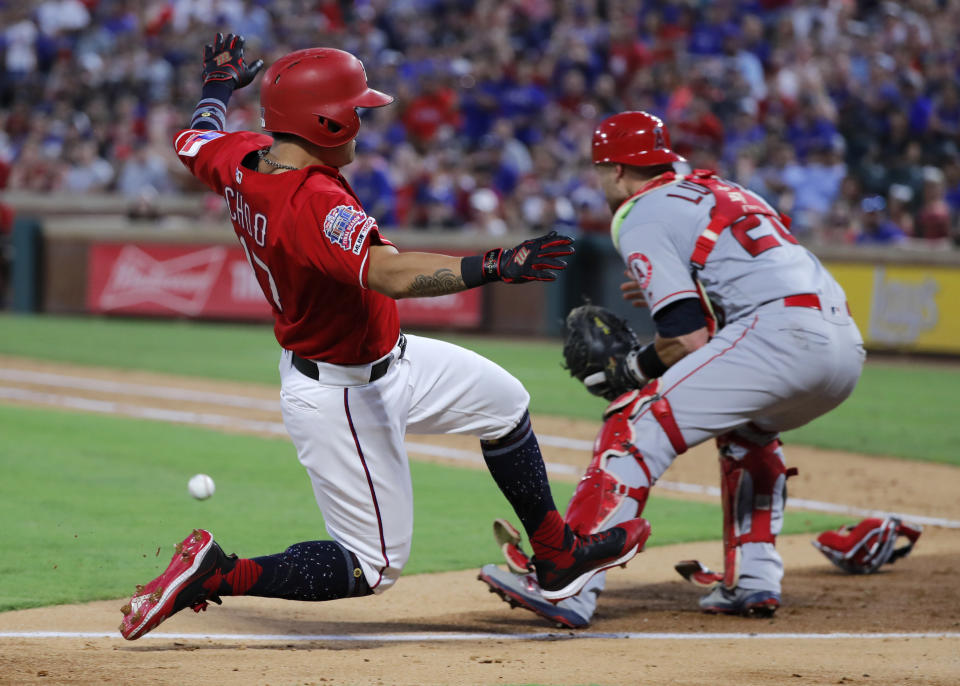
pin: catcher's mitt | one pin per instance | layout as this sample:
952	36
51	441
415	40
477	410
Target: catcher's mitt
596	346
863	548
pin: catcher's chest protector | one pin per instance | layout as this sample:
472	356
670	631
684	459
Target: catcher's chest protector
753	492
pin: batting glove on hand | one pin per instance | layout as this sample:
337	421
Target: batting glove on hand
223	61
537	259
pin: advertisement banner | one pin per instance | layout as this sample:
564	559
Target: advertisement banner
903	307
217	282
184	280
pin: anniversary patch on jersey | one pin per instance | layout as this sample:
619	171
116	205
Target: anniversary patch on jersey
368	224
188	144
340	224
641	268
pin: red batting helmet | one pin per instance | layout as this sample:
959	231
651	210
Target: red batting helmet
635	138
314	94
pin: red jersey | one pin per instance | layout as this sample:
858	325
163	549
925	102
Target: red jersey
307	238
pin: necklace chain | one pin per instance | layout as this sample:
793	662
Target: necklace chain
278	165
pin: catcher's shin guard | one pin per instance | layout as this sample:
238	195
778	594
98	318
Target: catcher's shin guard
753	493
600	497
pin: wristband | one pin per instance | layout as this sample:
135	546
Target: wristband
471	271
218	90
491	265
649	362
476	270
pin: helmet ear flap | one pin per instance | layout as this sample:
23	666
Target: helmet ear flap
340	124
330	125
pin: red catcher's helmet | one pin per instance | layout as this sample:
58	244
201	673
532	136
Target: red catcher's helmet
314	94
635	138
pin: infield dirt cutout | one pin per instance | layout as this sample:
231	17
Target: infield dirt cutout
919	594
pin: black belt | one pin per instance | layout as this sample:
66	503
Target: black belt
309	367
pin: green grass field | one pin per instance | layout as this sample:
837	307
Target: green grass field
901	410
87	500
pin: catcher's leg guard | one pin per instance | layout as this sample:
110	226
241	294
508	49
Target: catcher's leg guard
753	493
617	481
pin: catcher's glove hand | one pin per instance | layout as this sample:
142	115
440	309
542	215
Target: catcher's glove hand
223	61
600	349
865	547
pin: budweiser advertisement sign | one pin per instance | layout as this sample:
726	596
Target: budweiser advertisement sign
177	280
217	282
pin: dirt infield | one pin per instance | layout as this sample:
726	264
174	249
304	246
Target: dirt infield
446	628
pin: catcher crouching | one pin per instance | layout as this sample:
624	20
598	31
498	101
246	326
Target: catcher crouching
753	337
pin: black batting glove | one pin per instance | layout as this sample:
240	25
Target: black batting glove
223	62
537	259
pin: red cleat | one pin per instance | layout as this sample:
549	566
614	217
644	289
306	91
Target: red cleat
196	560
565	574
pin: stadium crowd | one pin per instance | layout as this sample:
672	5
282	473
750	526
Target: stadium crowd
845	114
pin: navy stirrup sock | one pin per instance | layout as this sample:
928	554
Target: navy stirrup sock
314	570
517	466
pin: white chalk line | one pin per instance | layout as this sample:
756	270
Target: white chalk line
136	389
276	428
456	636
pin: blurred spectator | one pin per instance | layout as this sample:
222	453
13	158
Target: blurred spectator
815	185
432	112
485	208
933	221
370	180
899	201
35	171
144	173
817	104
876	228
842	222
87	171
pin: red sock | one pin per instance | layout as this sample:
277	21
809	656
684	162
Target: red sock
243	575
550	536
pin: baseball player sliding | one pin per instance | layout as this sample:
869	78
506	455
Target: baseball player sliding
753	337
352	384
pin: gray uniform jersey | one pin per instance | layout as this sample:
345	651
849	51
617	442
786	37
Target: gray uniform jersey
753	262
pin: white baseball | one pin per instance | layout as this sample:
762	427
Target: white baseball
201	486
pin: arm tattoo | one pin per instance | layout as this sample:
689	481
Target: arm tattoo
442	282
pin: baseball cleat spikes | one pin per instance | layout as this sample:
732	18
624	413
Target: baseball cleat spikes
522	591
195	561
743	602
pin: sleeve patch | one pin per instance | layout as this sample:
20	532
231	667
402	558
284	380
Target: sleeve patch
369	223
340	224
641	268
190	145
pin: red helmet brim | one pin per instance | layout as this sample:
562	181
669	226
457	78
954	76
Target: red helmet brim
372	98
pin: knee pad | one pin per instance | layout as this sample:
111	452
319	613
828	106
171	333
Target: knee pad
602	494
753	493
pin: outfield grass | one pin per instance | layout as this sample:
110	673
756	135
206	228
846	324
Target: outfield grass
87	501
897	409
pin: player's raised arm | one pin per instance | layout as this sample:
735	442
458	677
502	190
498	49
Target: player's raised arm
420	274
224	70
